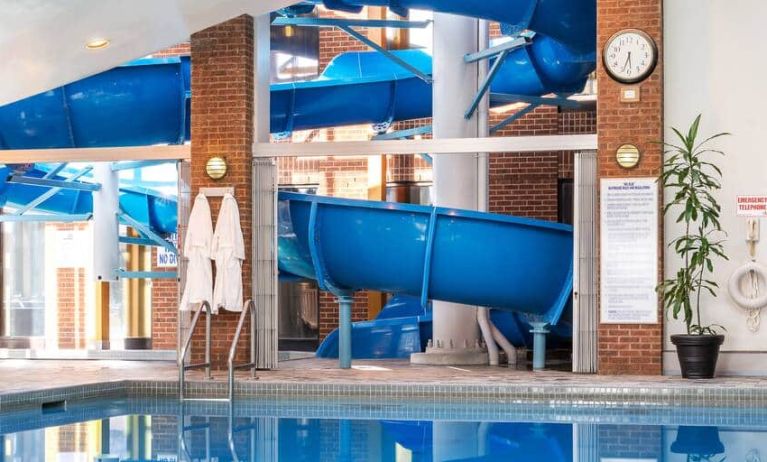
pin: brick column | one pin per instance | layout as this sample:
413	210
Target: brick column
222	125
630	349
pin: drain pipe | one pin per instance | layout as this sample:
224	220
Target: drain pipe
483	319
508	348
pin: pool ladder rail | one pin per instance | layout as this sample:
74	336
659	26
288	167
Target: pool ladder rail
248	307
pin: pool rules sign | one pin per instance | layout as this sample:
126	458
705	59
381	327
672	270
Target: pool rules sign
629	250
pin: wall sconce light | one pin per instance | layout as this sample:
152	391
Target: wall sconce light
627	156
289	31
216	167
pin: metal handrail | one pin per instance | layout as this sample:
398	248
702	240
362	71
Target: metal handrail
247	307
182	368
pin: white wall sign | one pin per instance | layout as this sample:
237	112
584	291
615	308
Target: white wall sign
166	258
752	206
629	251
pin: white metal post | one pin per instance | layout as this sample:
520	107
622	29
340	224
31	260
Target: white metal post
455	330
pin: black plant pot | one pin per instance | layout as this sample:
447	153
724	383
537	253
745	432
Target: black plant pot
700	441
697	354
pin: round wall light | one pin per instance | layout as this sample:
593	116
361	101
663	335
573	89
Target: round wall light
97	44
627	156
216	167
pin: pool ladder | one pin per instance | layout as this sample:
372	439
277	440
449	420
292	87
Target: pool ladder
248	307
182	367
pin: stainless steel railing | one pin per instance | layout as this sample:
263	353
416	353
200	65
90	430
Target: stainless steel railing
248	307
182	368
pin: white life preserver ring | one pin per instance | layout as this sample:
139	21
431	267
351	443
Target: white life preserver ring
736	293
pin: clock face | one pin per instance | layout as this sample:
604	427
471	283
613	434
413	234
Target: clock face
630	56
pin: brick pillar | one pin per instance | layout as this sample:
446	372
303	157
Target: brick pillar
222	125
630	349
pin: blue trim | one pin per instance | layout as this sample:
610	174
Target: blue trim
427	258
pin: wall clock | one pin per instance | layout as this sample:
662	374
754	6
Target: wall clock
630	56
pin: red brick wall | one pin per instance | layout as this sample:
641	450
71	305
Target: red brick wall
164	309
70	299
71	293
222	125
630	349
334	41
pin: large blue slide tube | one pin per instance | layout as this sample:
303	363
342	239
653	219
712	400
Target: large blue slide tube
460	256
147	102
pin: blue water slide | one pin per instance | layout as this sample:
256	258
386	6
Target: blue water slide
147	102
460	256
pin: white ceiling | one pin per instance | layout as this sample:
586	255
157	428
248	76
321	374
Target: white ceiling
42	42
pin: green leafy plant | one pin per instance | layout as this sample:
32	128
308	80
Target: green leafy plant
692	182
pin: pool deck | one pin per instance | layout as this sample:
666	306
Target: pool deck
36	380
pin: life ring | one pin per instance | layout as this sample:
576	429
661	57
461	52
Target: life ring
733	286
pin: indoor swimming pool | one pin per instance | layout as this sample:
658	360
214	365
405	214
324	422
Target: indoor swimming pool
162	430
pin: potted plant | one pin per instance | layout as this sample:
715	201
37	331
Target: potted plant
692	180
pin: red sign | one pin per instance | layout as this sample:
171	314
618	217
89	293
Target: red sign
752	206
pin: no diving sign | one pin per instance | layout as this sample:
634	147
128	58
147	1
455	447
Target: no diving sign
752	206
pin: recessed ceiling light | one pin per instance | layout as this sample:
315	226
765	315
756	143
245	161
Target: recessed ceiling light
97	44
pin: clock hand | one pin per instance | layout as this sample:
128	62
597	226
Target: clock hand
628	60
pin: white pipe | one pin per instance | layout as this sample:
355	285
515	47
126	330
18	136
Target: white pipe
508	348
483	319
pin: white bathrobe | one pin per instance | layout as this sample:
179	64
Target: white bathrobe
199	273
228	250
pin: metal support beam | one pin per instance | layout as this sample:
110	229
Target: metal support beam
485	86
53	191
146	274
402	134
137	241
55	171
345	331
539	332
45	218
343	22
146	231
131	165
401	62
496	50
560	101
512	118
54	183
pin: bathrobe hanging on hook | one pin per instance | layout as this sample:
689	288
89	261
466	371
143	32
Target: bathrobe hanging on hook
228	250
197	242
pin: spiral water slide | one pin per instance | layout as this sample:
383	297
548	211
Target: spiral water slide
521	267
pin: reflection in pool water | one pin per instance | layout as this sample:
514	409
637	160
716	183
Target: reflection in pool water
162	431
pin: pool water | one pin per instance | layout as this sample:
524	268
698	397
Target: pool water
157	430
